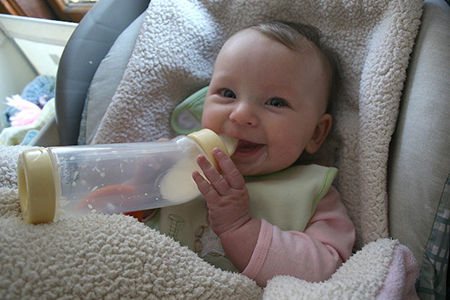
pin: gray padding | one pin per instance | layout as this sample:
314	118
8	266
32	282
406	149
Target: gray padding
84	51
420	152
107	78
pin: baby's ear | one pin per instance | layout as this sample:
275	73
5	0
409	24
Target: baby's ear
320	133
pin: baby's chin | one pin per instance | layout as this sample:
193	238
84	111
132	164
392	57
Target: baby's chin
259	168
255	170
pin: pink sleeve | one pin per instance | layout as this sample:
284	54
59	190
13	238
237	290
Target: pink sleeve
312	255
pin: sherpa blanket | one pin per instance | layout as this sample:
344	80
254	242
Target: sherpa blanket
175	53
116	257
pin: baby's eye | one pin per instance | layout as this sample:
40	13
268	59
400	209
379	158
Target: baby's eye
227	93
276	102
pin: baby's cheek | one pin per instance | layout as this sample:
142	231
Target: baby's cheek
208	119
287	156
213	121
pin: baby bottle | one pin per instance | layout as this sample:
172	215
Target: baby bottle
58	182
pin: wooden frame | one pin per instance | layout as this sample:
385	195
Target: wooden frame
79	6
34	8
66	10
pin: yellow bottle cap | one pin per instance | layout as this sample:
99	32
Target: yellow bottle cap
36	184
208	140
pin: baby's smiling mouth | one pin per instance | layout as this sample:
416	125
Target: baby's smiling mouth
246	148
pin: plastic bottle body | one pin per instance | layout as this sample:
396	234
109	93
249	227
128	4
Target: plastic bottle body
124	177
113	178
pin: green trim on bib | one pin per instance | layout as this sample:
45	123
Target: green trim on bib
187	116
328	180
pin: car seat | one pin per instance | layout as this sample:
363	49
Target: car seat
419	160
82	56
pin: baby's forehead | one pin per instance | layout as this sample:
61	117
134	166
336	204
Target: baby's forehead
249	43
301	45
297	43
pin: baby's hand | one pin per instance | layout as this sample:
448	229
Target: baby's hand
227	197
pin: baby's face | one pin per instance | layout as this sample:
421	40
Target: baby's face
271	98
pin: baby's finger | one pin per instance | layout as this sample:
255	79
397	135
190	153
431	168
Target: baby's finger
204	187
213	176
163	140
232	174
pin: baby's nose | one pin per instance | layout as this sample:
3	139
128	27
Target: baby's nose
244	114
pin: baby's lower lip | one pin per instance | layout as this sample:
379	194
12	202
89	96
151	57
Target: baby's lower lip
246	148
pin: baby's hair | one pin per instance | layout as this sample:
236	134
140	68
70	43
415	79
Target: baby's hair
293	35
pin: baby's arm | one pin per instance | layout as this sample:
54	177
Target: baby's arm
229	208
312	255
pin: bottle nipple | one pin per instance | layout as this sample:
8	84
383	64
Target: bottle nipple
230	143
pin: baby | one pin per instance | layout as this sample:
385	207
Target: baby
271	88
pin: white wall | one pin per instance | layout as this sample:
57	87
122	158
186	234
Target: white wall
15	72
